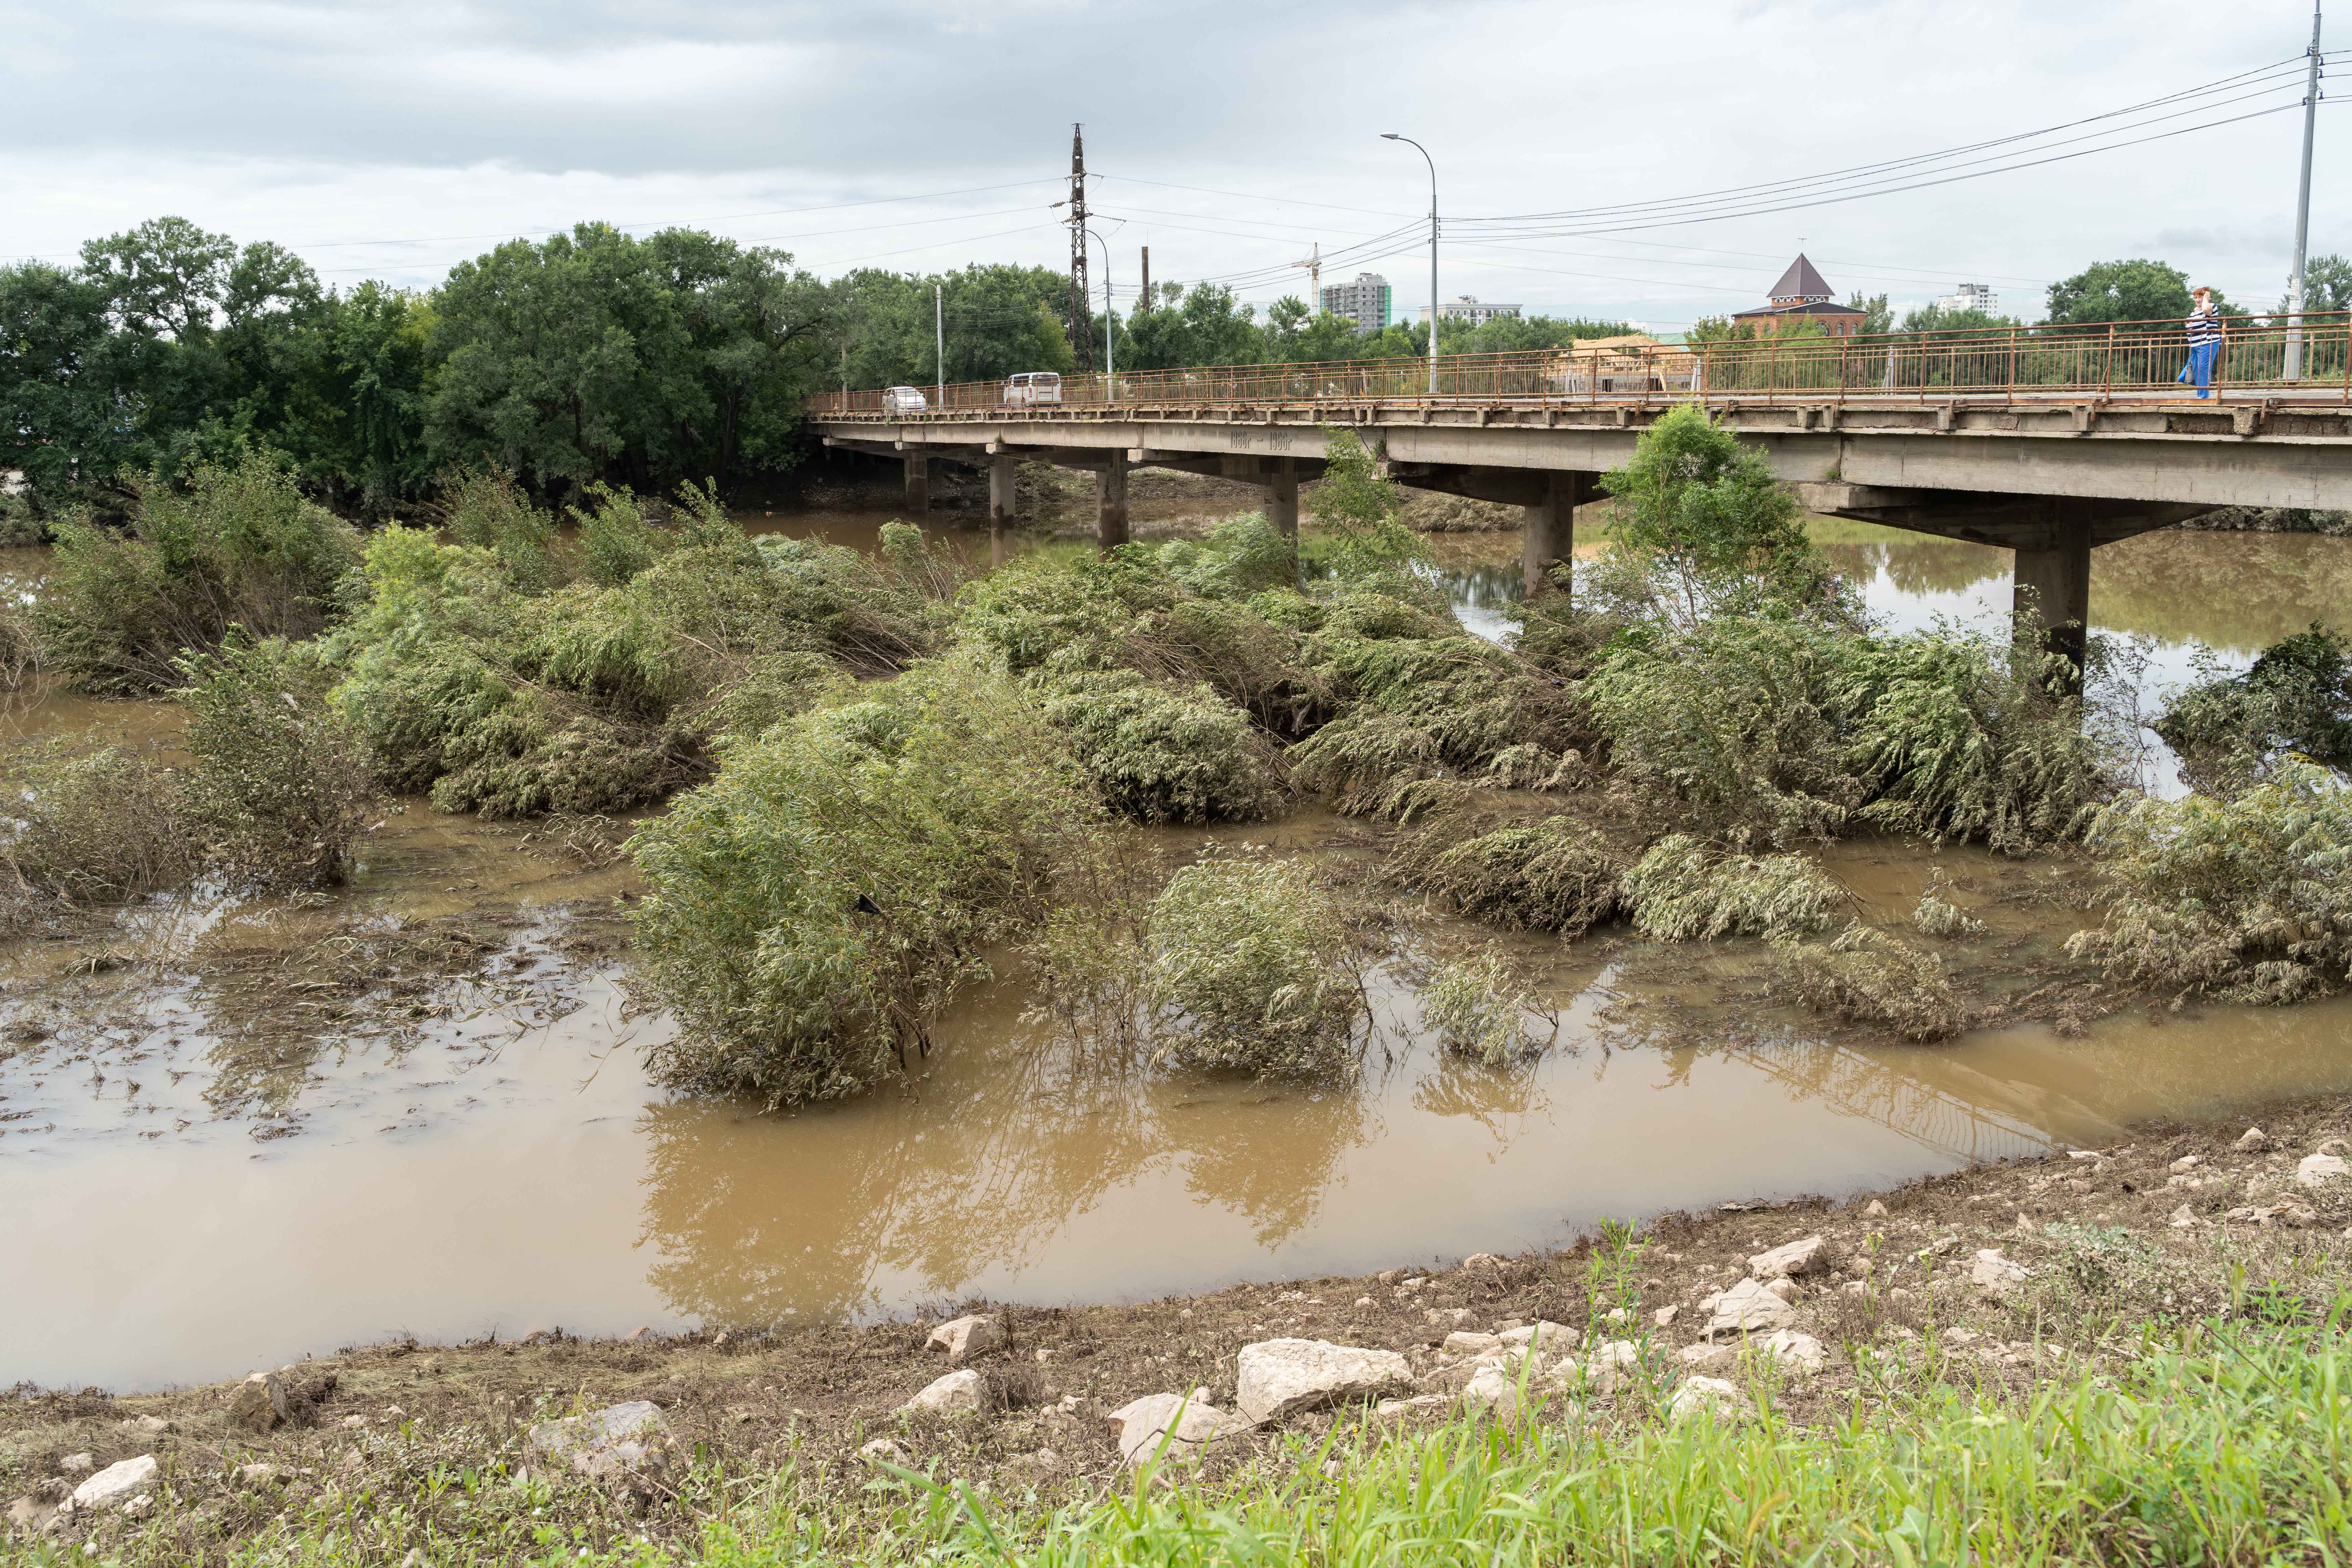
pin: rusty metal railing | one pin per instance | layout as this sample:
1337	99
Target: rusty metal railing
2139	359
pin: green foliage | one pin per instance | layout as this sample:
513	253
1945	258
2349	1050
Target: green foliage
1704	526
88	827
1362	509
238	546
2231	729
1162	752
280	785
1478	1009
1680	891
2139	290
1001	320
1935	915
1868	976
817	904
488	511
2246	900
1253	968
1558	874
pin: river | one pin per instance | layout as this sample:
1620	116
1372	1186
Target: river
193	1183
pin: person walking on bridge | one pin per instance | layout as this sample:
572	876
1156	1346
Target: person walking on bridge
2204	326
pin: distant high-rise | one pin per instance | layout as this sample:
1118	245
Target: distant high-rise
1468	308
1973	297
1365	301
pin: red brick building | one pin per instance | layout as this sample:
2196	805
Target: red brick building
1802	294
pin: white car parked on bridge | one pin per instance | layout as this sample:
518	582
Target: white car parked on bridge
903	400
1033	386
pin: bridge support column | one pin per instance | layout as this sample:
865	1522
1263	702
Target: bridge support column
2052	590
1001	505
1110	503
1282	500
919	486
1549	521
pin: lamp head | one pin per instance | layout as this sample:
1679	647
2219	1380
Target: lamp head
1390	136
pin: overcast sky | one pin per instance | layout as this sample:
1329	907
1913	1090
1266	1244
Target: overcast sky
389	140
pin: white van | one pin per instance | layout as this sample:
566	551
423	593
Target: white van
1033	386
903	400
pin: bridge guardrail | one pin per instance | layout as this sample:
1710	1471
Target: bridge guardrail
2139	358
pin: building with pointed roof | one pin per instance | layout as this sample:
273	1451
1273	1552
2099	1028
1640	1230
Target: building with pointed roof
1802	294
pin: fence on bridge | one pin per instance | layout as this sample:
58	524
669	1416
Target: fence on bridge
2060	362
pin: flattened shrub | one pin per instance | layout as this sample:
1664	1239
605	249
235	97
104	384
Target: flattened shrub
1162	751
1682	891
1478	1009
280	785
1251	966
1869	976
79	827
2247	900
814	905
1558	874
238	546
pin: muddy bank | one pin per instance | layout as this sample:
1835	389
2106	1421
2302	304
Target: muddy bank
2174	1223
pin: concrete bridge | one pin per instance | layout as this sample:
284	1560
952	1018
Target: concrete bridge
1943	437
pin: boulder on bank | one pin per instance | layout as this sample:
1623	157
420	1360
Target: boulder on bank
1281	1378
115	1486
259	1403
1993	1274
957	1394
964	1338
1797	1257
1709	1396
1170	1426
1748	1307
612	1444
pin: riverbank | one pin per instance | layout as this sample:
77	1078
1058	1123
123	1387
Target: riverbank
1997	1284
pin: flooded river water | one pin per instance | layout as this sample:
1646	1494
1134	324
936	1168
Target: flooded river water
196	1180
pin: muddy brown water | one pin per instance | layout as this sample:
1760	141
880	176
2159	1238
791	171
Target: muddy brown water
188	1190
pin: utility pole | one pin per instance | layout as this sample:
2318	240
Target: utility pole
939	334
1145	298
2303	211
1082	340
1110	356
1392	136
1314	265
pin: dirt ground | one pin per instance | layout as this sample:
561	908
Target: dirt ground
2179	1222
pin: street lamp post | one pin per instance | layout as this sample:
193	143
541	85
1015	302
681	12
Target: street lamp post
1111	354
1392	136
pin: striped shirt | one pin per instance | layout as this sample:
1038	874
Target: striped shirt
2204	325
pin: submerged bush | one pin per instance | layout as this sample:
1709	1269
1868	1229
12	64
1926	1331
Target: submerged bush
815	905
1558	874
2248	899
280	785
239	546
1867	976
1253	967
1681	890
1936	915
2228	729
1478	1009
88	827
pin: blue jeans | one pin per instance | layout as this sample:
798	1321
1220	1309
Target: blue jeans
2199	368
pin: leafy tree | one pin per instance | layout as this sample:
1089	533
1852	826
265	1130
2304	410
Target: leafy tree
2137	291
1702	524
1001	320
1206	326
2326	285
1877	315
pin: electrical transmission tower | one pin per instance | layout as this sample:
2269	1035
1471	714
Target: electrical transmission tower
1082	315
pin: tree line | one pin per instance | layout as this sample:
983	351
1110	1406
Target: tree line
596	356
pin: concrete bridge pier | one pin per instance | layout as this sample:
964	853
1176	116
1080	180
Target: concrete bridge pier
1282	499
919	485
1550	524
2051	587
1001	504
1110	502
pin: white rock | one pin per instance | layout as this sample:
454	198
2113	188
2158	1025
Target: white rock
353	1423
2185	1164
1170	1426
1665	1316
1798	1352
1548	1338
1610	1364
143	1426
1784	1288
966	1336
78	1464
1462	1343
1708	1396
2315	1169
1390	1409
1482	1262
884	1451
618	1440
1276	1378
1993	1274
956	1394
259	1403
1794	1257
257	1475
1746	1308
2183	1218
2252	1140
116	1484
1857	1289
1495	1389
1707	1358
1874	1210
30	1516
